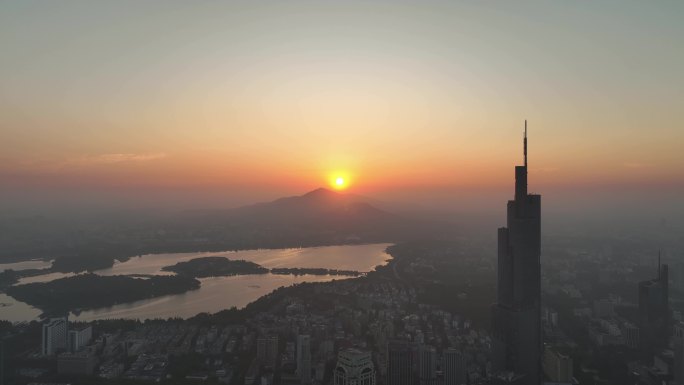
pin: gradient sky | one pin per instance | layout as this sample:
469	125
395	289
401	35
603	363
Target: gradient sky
230	102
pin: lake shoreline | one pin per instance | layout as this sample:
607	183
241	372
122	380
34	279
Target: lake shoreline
219	293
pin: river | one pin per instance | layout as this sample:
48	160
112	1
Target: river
215	293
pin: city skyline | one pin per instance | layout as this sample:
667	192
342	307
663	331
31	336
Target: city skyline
320	192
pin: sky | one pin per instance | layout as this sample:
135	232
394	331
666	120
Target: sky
225	103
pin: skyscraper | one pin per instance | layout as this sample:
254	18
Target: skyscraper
400	363
304	358
427	362
267	350
354	367
517	314
453	365
54	336
678	370
654	312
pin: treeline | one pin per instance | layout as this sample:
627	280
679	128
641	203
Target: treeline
314	271
215	267
222	266
89	291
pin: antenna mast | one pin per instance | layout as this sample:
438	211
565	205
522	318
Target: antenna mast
525	144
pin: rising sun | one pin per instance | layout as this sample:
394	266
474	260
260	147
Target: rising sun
339	182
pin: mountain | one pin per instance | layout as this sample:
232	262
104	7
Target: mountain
319	204
316	212
319	216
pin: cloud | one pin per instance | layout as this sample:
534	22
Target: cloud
38	164
122	157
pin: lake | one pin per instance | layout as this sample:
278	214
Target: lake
215	293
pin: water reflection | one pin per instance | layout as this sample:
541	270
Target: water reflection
26	265
215	293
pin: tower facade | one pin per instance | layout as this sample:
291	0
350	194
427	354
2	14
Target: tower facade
427	362
654	312
401	362
304	358
517	345
454	367
354	367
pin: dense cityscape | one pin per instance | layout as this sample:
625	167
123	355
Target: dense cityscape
341	192
608	314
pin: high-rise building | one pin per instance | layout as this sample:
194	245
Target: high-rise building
516	316
454	367
267	350
654	312
427	365
79	338
354	367
54	336
304	358
401	361
678	364
557	366
630	332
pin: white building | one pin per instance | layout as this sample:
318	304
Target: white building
54	336
79	338
354	367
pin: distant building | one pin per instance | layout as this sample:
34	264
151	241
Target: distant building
678	362
82	363
252	373
148	367
54	336
427	362
400	363
631	334
516	317
508	378
557	366
354	367
654	312
79	338
267	350
304	358
604	308
454	367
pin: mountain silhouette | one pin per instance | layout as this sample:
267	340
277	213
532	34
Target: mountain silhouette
317	217
320	206
320	216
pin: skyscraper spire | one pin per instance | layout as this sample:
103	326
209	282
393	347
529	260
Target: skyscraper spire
658	263
516	330
525	143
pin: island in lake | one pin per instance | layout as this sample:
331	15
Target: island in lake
222	266
314	271
215	267
90	291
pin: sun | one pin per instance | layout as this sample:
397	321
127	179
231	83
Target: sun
339	181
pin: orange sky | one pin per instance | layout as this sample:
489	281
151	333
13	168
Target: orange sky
270	99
